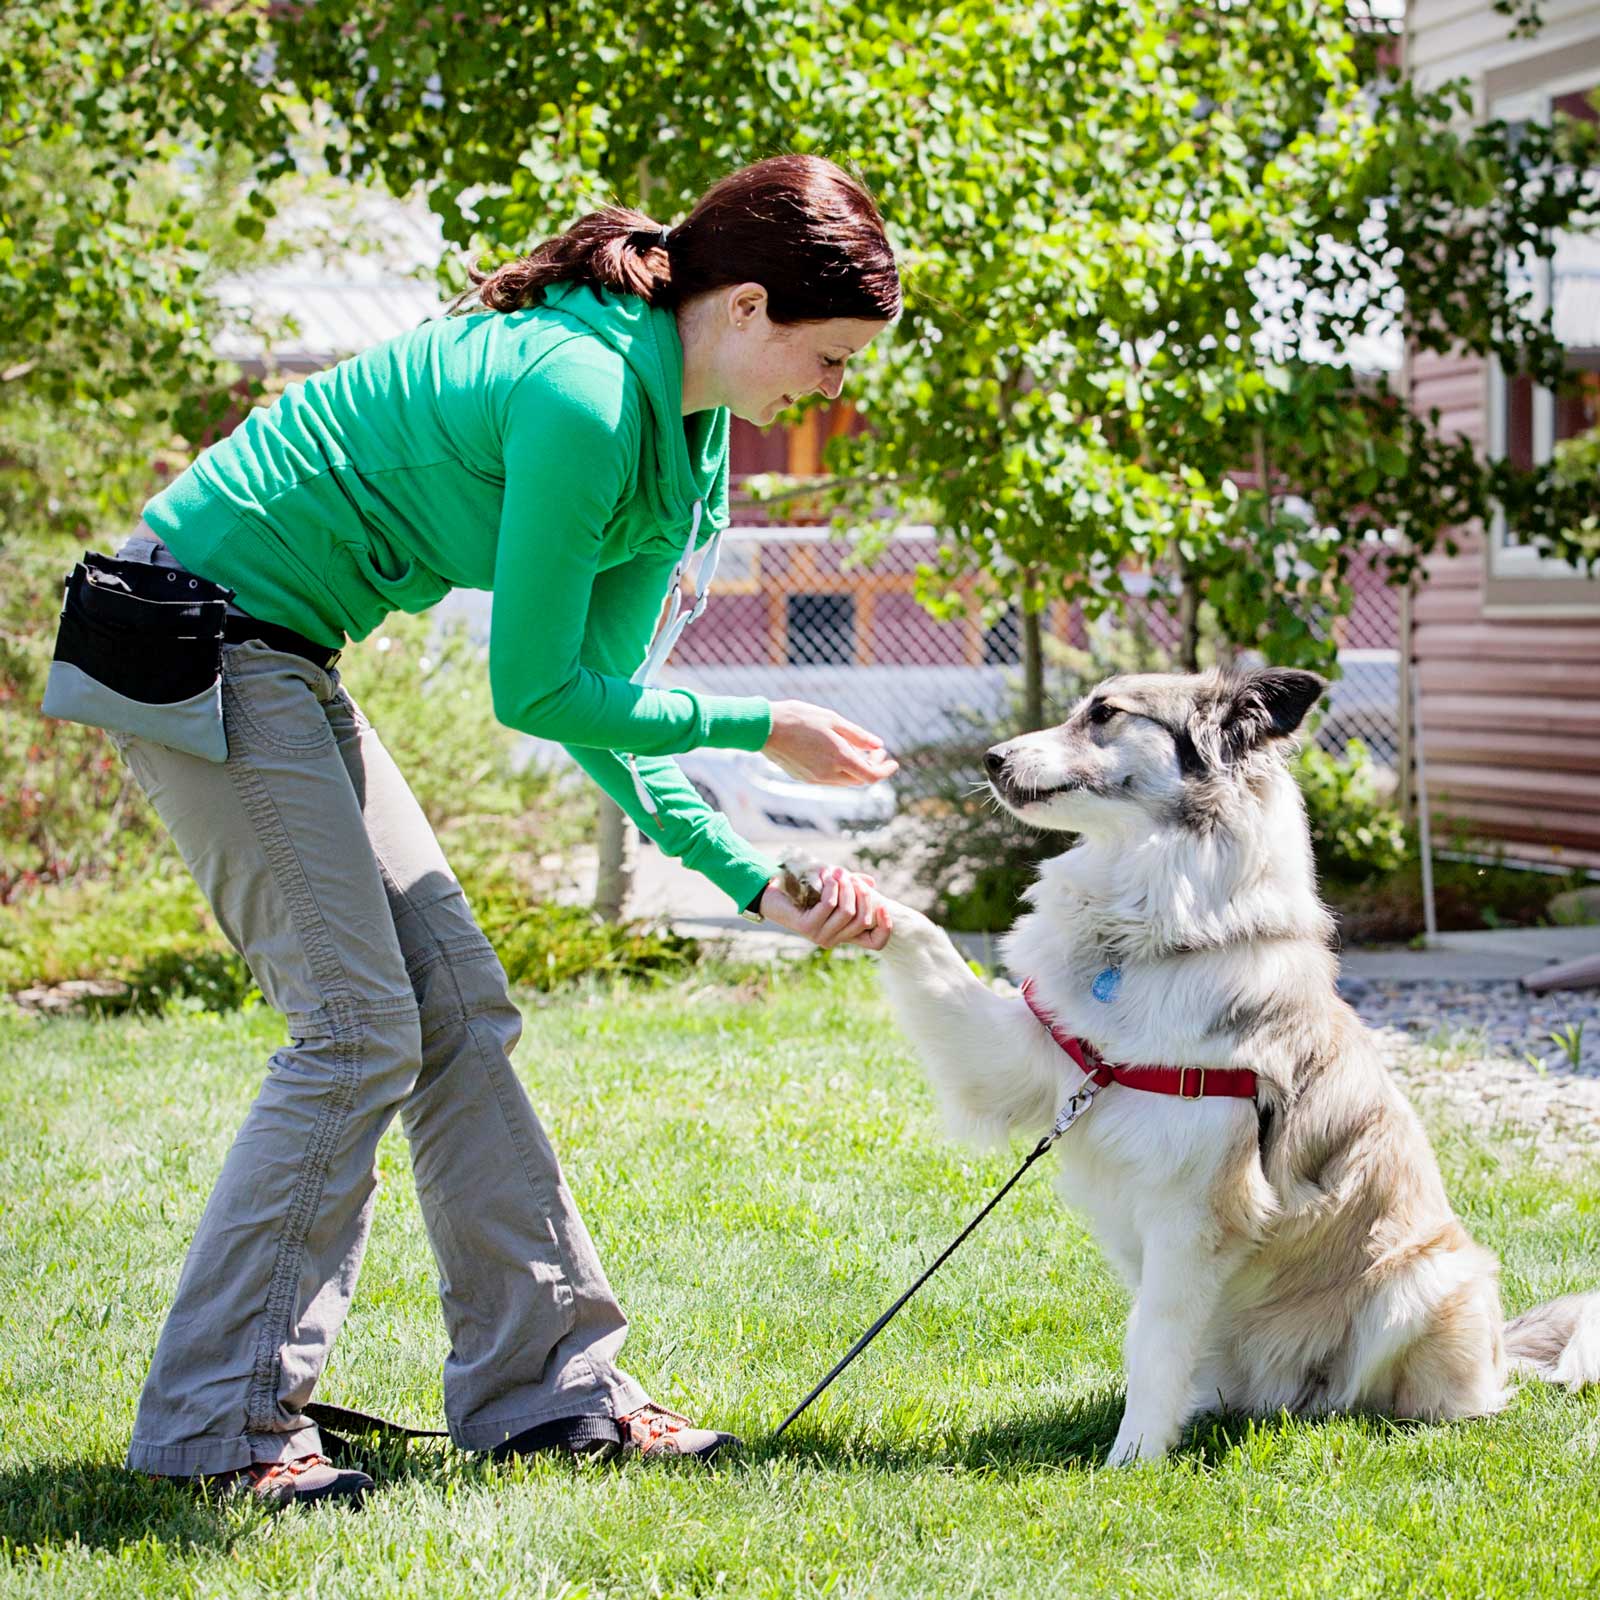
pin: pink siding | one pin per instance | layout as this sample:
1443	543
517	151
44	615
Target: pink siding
1510	712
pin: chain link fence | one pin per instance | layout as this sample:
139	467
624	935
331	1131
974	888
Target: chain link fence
794	615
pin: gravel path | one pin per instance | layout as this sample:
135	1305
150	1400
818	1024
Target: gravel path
1486	1050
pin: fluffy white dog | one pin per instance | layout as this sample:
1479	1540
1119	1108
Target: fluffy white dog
1289	1248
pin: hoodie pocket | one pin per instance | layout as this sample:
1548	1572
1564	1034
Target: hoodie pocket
362	579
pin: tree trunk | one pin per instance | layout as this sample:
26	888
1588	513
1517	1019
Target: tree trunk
1188	618
1032	657
619	845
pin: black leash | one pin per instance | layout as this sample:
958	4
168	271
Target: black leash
338	1425
1070	1112
350	1422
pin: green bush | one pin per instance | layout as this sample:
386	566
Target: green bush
1356	833
546	946
1482	890
155	937
154	934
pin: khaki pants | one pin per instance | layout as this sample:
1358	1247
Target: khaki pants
323	871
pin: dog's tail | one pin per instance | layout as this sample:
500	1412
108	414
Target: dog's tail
1558	1341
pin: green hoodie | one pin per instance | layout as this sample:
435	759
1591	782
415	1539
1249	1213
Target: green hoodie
540	454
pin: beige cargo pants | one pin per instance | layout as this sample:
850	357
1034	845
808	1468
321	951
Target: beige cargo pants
323	871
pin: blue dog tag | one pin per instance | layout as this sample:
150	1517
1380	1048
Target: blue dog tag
1106	983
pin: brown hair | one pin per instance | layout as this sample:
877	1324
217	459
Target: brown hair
801	227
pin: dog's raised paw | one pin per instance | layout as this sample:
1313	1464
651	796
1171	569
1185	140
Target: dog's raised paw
802	881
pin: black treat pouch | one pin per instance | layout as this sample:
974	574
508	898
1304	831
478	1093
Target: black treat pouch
139	651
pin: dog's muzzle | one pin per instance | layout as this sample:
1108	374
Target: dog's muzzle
996	762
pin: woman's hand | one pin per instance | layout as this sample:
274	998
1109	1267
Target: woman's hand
851	911
820	746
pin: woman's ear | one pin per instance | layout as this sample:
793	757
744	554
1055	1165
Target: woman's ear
747	304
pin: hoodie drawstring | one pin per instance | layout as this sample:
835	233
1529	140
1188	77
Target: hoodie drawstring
679	617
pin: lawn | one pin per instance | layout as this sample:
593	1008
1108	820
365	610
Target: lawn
762	1168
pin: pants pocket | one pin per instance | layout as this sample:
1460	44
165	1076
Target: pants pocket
276	703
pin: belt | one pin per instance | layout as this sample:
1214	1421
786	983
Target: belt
240	629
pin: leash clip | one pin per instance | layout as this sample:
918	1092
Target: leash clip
1076	1104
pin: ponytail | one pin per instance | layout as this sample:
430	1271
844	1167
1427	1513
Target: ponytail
615	249
801	227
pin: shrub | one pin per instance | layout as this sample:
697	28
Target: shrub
545	945
1480	891
1356	834
153	934
155	937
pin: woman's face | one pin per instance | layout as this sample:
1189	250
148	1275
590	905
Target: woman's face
736	356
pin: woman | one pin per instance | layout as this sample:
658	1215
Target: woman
564	445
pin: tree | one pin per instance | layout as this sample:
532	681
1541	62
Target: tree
127	126
1141	242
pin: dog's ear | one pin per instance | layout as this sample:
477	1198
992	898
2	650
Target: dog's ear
1269	704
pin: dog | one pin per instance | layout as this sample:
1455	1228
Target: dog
1293	1251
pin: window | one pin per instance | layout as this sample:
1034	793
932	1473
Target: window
822	630
1528	424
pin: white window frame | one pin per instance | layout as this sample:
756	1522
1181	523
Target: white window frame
1507	560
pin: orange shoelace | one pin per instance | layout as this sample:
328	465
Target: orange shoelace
650	1424
265	1472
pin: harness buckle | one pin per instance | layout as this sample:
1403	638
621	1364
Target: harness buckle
1199	1093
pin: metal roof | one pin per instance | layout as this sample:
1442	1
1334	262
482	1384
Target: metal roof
320	306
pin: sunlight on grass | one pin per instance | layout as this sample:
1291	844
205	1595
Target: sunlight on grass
763	1172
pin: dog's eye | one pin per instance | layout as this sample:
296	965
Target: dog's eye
1100	713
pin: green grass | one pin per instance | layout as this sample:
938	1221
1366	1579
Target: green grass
763	1173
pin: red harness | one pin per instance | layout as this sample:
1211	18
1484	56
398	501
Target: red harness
1188	1083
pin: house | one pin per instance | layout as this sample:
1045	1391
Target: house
305	313
1506	645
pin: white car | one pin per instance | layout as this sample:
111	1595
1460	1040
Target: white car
761	800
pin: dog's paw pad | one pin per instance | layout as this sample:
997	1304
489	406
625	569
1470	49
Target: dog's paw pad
802	881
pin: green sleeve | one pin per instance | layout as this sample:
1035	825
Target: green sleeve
571	442
684	825
619	632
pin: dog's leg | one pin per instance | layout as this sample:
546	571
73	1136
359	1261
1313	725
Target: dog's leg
1179	1287
995	1068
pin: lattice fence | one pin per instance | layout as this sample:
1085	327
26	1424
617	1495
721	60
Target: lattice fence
792	615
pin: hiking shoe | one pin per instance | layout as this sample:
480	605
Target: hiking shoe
658	1434
291	1483
573	1436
